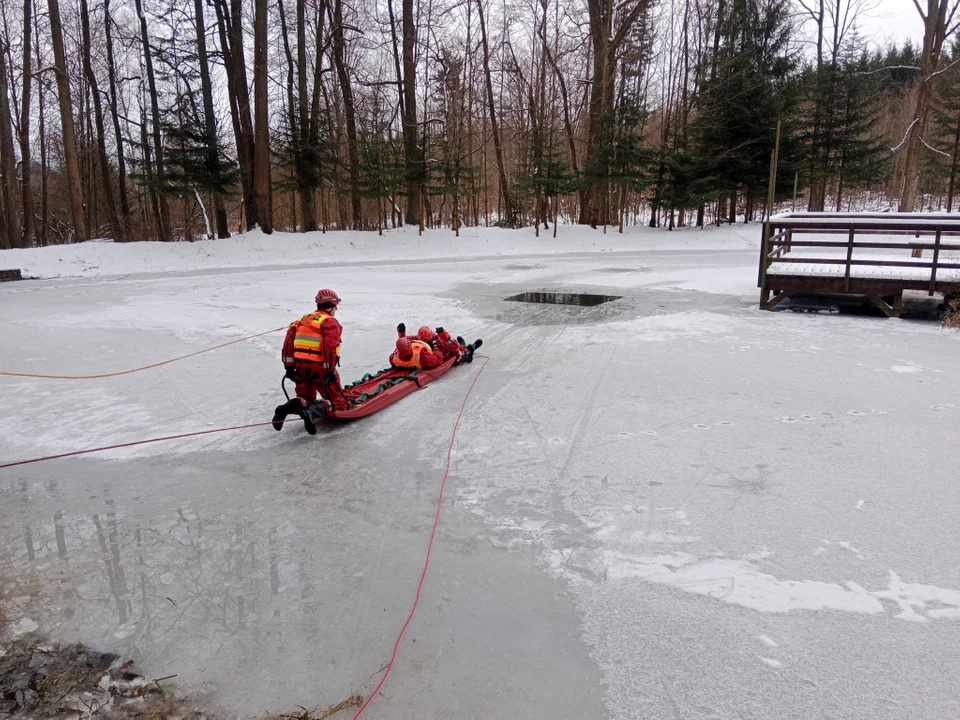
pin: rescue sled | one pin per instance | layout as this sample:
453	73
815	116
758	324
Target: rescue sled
375	392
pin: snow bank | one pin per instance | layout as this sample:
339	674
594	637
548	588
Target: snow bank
255	249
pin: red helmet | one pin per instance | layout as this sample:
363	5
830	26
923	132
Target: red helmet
404	347
426	334
327	296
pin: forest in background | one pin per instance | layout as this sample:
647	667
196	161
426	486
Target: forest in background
160	120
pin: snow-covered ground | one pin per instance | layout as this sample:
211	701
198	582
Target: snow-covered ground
671	505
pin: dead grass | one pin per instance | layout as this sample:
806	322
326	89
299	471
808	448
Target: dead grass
950	317
354	701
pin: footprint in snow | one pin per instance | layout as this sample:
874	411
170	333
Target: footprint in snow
723	423
768	641
770	661
647	432
855	413
787	419
699	426
941	406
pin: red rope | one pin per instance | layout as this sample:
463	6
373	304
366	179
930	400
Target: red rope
138	369
433	533
131	444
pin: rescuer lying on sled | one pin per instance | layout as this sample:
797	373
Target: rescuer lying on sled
429	349
440	342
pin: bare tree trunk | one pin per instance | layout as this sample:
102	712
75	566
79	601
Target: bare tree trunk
936	21
11	229
26	191
115	115
209	119
308	196
42	129
66	117
229	23
567	120
601	29
346	89
509	217
261	156
396	54
819	159
163	206
410	145
955	160
147	153
105	178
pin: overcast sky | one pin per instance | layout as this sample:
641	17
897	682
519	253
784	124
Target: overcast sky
893	20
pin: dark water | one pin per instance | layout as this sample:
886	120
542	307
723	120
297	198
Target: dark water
553	298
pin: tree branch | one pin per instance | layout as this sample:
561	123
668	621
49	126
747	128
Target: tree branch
905	135
627	23
920	10
940	72
891	67
930	147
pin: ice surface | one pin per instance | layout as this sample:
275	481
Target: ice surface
673	505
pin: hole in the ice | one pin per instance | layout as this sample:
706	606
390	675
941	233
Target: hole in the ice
555	298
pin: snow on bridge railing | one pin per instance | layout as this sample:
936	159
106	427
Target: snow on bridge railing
783	254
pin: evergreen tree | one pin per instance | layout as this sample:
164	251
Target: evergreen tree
307	160
382	165
753	86
192	170
548	174
626	155
860	157
946	119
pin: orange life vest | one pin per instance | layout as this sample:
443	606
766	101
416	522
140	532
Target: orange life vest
418	346
308	342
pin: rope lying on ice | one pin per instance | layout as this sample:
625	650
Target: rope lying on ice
433	533
135	442
145	367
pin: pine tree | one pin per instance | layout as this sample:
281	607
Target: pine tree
947	127
192	170
858	157
739	106
382	165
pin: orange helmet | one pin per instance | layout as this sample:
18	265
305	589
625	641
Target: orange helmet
426	334
404	347
327	296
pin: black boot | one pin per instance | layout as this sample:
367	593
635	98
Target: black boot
468	355
312	414
292	407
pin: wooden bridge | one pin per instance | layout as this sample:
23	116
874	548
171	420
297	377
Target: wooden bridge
873	255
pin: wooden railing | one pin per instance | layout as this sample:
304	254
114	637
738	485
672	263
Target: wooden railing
779	241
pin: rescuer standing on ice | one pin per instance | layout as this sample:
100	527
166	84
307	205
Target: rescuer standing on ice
311	354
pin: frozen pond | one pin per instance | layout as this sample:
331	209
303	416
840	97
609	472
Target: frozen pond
671	505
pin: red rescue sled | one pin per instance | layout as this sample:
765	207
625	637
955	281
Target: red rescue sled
375	392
